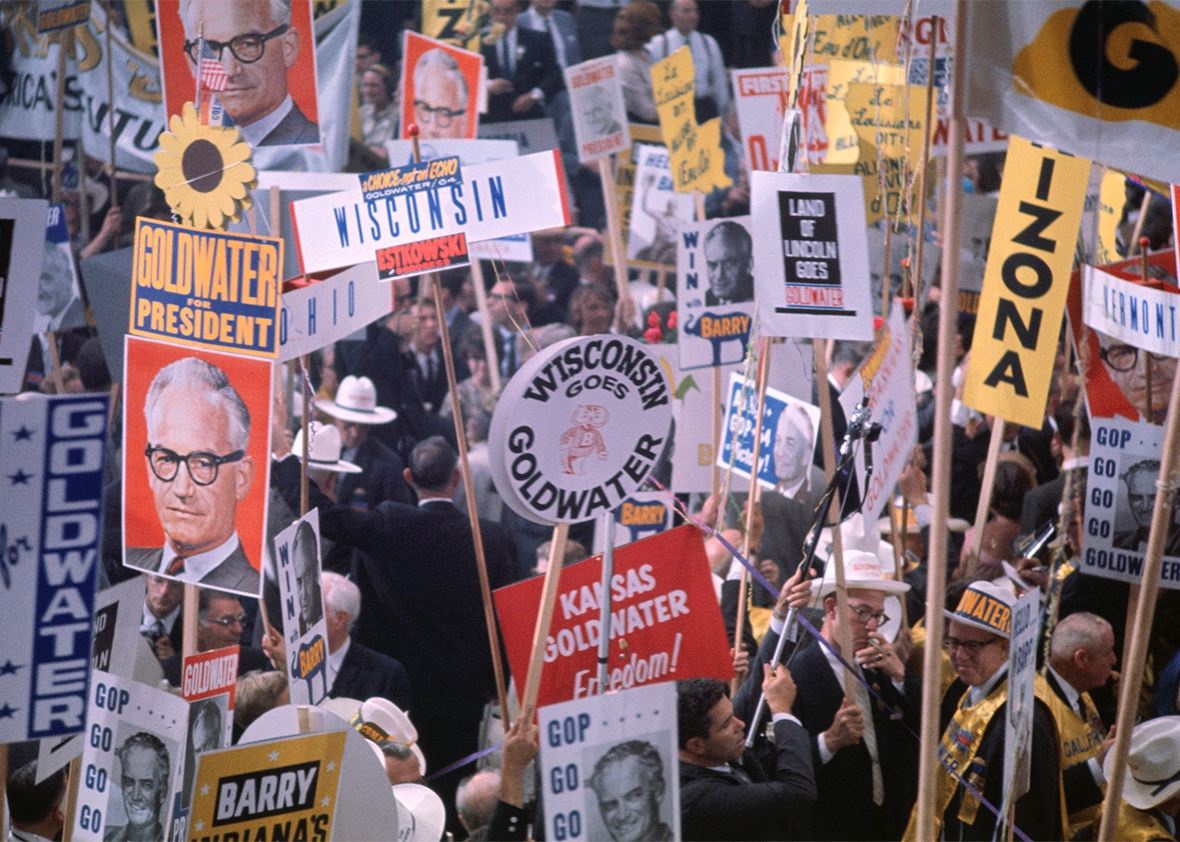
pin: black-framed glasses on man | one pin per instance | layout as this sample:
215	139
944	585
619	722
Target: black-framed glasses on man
240	619
1125	357
202	466
971	647
862	614
441	117
247	48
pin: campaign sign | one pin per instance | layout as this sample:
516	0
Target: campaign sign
21	221
789	430
496	199
760	95
317	313
641	515
1131	312
53	15
600	116
579	427
665	621
208	683
715	288
398	181
423	256
1120	502
135	745
889	373
280	789
51	471
206	288
610	767
305	631
59	294
813	275
656	211
1022	675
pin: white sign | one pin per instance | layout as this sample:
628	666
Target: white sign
322	312
51	464
496	199
1022	673
609	766
760	95
1120	501
579	427
1138	315
297	557
811	252
715	288
657	210
21	221
890	372
600	116
134	752
789	430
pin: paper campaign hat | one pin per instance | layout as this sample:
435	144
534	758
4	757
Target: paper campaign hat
356	401
324	451
381	721
986	606
861	570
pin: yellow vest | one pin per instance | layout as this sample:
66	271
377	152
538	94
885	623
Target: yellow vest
1080	740
1139	826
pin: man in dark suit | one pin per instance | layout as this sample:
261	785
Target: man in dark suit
1041	503
417	573
728	257
523	72
356	671
725	793
163	615
219	624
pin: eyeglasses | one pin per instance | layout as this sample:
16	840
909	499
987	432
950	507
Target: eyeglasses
1124	357
202	466
971	647
225	622
441	117
247	48
862	614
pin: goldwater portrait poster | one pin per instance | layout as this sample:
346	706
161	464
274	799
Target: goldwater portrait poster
304	629
715	289
196	464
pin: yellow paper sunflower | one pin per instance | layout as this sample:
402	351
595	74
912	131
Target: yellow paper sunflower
204	171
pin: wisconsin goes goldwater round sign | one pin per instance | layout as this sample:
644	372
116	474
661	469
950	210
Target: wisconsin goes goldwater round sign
579	428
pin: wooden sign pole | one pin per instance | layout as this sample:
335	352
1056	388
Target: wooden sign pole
614	227
928	764
924	164
486	327
985	492
545	616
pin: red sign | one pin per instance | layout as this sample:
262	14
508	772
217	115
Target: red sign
665	620
210	674
431	255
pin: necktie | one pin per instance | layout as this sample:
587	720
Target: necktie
510	355
741	775
558	43
870	740
175	567
156	631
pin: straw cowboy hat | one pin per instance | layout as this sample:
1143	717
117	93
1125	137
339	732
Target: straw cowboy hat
324	451
356	401
1153	763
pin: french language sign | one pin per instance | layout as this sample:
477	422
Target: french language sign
609	766
317	313
496	199
813	276
135	745
697	160
1026	282
665	621
208	289
282	789
423	256
51	472
398	181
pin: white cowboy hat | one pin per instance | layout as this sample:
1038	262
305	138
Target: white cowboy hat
861	570
420	813
380	720
1153	763
324	451
986	606
356	401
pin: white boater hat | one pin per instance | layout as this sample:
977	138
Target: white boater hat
421	815
380	720
356	401
324	451
1153	763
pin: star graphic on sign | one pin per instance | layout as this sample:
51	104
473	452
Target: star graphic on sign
199	825
9	668
7	711
204	791
274	755
325	801
332	766
20	477
23	434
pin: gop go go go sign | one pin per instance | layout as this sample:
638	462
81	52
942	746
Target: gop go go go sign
579	428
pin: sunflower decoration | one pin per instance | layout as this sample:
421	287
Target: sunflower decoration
204	171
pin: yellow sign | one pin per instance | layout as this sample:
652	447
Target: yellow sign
891	118
890	184
695	151
457	22
284	789
625	167
1025	283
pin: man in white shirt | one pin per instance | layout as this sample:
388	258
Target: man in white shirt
712	91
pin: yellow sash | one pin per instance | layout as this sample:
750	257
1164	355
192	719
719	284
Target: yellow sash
1139	826
1080	740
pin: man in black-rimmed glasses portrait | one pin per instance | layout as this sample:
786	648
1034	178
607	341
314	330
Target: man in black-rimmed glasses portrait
256	45
1128	369
198	432
440	96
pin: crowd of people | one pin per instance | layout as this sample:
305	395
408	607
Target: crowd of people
818	743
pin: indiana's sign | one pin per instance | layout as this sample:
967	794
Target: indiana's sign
665	621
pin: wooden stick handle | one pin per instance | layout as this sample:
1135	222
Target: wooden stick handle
545	616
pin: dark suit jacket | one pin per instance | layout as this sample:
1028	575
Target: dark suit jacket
381	478
365	674
233	574
295	128
746	293
1078	781
1040	504
249	659
567	31
715	805
536	67
844	809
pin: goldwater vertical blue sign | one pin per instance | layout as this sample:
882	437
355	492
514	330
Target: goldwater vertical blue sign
208	289
52	452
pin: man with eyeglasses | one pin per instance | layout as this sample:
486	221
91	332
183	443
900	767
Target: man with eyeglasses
219	624
198	433
865	766
1126	367
1140	480
973	724
256	44
440	97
